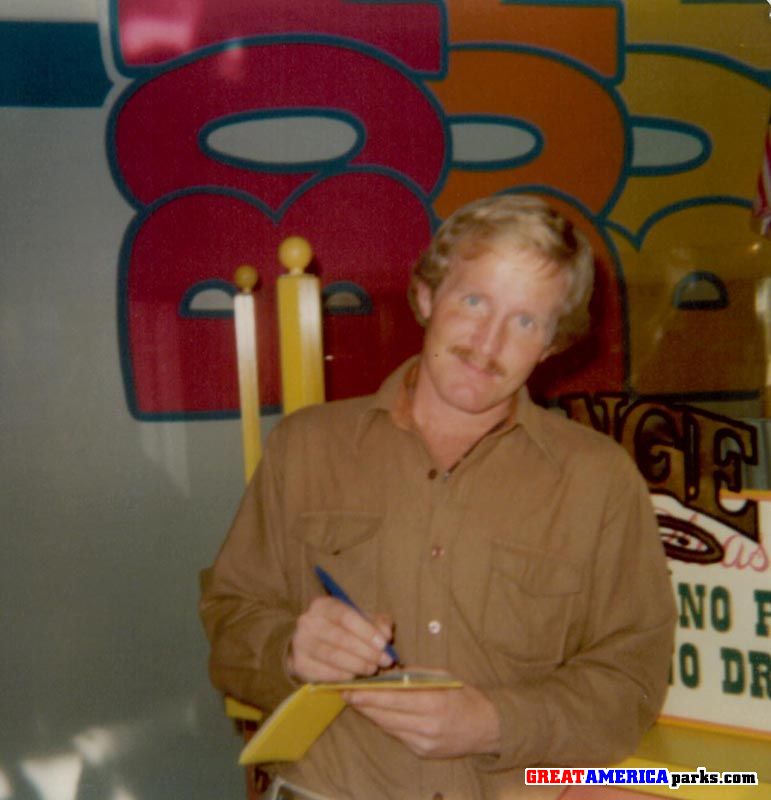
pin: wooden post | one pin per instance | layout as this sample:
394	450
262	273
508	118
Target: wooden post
299	314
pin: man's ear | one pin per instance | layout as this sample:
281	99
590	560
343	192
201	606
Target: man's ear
425	299
555	346
547	353
551	349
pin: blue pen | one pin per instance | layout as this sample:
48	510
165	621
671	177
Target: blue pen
334	590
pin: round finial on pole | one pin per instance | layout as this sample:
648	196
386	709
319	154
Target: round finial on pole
295	253
245	277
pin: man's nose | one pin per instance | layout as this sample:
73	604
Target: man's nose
490	335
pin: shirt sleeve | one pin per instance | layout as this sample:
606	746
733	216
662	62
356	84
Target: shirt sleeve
244	606
594	707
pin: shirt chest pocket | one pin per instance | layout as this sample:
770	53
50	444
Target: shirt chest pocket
531	601
345	544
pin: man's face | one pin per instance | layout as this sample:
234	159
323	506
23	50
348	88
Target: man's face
490	322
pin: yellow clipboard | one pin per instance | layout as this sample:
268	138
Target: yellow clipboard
296	724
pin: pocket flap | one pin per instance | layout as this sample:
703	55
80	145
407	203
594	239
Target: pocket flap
541	574
334	531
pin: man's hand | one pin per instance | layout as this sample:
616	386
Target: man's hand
332	642
435	723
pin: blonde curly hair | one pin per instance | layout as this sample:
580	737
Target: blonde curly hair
524	222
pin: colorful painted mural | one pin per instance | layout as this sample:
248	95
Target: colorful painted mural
150	147
650	136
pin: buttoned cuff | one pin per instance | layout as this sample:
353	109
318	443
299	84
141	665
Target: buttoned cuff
293	679
524	734
271	683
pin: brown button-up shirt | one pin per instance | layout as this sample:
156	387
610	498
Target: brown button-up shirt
533	571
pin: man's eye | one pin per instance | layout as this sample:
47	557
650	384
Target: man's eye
472	300
525	321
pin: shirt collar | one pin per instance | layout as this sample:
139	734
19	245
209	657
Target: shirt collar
393	398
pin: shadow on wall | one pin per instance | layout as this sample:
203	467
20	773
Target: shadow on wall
111	699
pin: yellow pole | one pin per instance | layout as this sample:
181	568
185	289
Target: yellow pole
244	312
299	315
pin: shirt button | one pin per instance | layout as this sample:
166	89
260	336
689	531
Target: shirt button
434	626
437	552
432	473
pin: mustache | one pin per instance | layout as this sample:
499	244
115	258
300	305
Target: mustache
488	365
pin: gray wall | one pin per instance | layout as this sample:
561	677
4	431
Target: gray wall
105	520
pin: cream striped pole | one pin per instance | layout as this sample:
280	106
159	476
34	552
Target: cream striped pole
244	312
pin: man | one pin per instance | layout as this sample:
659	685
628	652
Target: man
480	534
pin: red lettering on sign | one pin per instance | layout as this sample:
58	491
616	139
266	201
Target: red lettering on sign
179	365
158	128
152	32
